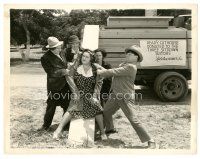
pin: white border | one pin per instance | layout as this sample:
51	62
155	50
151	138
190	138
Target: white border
2	66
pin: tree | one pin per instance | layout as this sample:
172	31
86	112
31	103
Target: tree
23	19
126	12
17	32
173	12
29	26
66	24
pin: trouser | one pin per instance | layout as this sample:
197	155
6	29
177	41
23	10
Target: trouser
55	99
127	107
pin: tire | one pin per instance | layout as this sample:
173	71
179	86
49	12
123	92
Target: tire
171	86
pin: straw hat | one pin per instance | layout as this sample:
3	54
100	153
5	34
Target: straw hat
137	50
53	42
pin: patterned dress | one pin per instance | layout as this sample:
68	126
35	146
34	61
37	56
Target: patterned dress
86	86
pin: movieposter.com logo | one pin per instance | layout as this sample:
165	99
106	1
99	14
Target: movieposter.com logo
104	96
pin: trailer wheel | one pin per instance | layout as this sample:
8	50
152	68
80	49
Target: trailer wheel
171	86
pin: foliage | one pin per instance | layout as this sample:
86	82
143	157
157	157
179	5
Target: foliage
172	12
37	22
47	22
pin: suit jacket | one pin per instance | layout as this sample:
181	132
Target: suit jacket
123	78
106	81
69	55
55	68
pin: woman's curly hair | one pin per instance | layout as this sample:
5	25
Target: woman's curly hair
91	53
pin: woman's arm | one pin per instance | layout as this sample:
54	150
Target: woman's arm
73	88
74	65
72	84
70	76
97	88
98	85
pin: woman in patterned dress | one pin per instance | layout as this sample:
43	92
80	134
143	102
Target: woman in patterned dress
88	85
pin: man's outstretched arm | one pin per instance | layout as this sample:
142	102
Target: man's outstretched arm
121	71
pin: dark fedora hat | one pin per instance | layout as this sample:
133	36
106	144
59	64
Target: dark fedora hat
137	50
73	39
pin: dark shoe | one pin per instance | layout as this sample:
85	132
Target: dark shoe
43	129
152	145
112	131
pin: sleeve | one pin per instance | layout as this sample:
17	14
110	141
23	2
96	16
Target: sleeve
72	84
97	89
74	65
52	72
108	66
69	78
98	85
99	66
126	70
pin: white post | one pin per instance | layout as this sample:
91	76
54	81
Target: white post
81	132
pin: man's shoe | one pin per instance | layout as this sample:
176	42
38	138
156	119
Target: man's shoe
43	129
112	131
104	137
57	135
152	145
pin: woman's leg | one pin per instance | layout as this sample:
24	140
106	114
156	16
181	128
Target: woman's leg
66	118
99	119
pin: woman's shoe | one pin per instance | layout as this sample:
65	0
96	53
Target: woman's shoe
104	137
152	145
57	135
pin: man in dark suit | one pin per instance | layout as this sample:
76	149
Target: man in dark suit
59	91
72	48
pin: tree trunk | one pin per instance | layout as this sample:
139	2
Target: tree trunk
21	51
27	45
25	54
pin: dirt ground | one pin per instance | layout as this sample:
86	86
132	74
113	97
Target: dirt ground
168	123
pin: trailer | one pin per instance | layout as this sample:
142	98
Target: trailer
166	52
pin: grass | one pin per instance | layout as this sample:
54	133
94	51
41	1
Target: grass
168	124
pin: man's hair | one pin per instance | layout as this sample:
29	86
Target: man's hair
52	48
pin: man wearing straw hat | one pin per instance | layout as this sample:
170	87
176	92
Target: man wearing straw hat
123	94
55	65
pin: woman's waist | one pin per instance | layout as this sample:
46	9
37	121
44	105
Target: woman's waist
82	93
